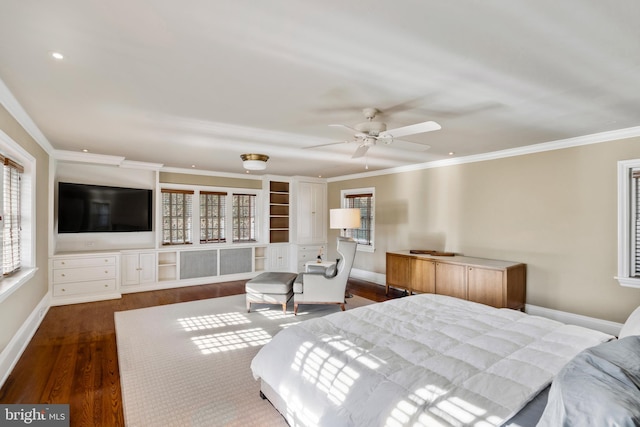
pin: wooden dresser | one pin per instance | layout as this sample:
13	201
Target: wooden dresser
492	282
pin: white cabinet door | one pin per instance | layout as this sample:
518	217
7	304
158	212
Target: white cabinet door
138	268
147	264
311	216
129	269
279	258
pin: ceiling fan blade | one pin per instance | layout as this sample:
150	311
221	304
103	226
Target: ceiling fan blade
411	129
325	145
349	128
406	145
361	151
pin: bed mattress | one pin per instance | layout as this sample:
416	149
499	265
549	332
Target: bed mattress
421	360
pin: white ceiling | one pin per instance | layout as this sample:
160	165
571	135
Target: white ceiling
201	82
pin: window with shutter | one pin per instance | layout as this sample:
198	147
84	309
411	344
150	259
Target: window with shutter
629	223
176	216
244	217
212	216
363	199
11	230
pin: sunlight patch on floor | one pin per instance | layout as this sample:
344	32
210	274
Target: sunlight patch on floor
212	321
227	341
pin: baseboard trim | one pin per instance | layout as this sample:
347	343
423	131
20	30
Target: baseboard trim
612	328
369	276
12	352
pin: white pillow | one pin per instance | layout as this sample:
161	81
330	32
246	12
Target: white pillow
632	325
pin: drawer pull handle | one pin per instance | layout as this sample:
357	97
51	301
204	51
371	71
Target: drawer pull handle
64	290
62	275
106	272
62	262
106	286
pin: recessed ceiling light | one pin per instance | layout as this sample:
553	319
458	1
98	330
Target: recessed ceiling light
85	150
451	153
193	166
57	55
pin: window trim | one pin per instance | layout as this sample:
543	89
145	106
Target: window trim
13	282
625	225
195	207
344	204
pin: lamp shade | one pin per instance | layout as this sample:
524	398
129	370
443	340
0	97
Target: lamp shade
344	218
254	162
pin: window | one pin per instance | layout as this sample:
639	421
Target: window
364	200
212	217
244	217
11	205
176	216
629	223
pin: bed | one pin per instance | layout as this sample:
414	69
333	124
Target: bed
420	360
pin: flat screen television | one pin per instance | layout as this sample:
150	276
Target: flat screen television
84	208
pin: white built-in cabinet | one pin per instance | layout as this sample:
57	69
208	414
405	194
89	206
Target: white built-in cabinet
138	268
311	218
77	278
311	212
279	257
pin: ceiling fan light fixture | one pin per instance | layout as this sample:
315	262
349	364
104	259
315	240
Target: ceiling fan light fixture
254	162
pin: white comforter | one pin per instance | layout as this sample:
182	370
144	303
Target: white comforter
416	361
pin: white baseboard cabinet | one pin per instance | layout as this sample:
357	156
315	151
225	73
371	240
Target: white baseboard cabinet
93	276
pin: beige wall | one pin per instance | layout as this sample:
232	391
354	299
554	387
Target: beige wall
556	211
18	306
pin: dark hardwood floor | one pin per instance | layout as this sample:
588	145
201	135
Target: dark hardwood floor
72	357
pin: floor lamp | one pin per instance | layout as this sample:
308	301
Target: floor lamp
342	219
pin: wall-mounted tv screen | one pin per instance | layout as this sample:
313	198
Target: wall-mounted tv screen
84	208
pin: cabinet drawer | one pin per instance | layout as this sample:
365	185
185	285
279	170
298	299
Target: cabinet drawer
87	288
83	262
83	274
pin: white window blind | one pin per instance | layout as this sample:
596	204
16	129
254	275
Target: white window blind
12	174
635	215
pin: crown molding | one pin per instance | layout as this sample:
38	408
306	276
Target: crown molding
20	115
595	138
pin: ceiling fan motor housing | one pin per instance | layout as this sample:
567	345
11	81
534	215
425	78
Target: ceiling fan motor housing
371	128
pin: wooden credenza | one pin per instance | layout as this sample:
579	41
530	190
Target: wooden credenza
492	282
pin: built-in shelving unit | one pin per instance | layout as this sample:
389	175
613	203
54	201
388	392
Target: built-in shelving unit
260	258
278	212
167	266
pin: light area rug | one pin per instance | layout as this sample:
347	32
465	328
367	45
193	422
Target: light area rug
188	364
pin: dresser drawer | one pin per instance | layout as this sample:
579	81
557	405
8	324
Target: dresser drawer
83	262
87	288
83	274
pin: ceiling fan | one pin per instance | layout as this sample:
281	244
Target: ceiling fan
369	133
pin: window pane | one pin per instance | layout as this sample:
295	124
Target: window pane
244	212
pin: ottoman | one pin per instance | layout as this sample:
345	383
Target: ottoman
270	288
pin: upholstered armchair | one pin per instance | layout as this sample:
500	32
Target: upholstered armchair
327	288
